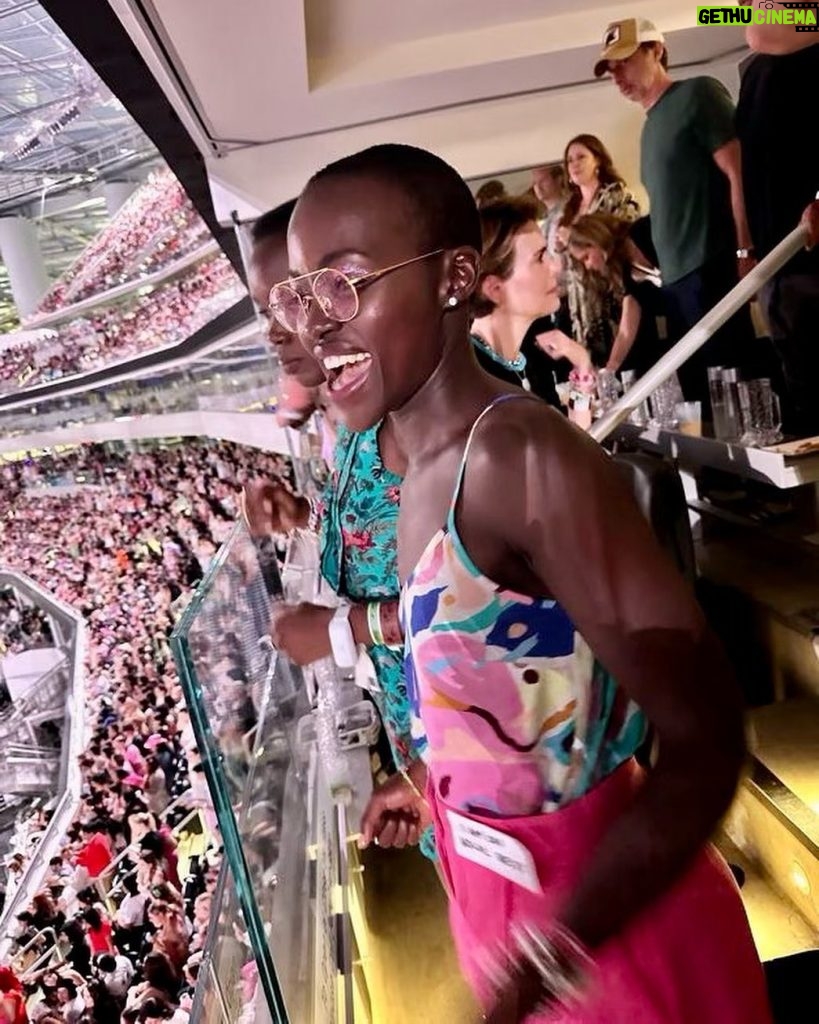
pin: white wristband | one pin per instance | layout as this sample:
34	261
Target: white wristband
342	641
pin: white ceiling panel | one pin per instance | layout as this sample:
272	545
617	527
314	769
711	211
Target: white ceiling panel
272	89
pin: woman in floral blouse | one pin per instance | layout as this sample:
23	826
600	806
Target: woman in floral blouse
595	186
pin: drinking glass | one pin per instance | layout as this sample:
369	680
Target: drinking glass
716	391
664	400
640	416
761	413
608	388
689	416
728	415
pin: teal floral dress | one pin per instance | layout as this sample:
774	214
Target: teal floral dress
359	560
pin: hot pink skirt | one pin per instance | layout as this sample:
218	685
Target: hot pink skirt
687	959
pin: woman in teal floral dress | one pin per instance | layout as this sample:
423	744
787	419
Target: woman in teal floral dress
359	518
358	522
358	560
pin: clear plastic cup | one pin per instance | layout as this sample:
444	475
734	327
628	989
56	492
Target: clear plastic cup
689	417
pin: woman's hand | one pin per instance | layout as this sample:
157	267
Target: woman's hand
396	815
810	220
301	631
268	507
560	346
516	1001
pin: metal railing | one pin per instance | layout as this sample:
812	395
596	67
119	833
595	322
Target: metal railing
42	701
17	960
52	952
102	880
28	776
74	735
30	751
699	334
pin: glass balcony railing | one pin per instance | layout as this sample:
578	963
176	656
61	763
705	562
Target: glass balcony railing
242	376
226	989
286	757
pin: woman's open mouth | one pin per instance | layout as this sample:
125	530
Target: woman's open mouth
346	373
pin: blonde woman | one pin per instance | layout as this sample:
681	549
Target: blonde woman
608	322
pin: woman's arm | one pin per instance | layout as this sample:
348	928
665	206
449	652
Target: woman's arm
637	258
68	973
810	221
560	346
572	522
381	616
301	631
626	333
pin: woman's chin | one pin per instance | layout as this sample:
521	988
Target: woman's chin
550	306
359	418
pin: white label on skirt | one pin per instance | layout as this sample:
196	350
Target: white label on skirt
493	850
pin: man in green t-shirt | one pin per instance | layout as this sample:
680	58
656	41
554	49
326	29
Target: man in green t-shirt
690	164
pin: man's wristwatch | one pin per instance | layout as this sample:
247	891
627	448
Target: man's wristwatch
342	641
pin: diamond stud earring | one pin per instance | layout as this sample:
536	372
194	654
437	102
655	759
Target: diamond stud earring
452	301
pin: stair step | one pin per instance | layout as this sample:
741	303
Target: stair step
775	818
778	928
785	740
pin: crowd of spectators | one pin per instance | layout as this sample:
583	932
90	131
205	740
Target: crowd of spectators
22	627
155	227
122	552
163	315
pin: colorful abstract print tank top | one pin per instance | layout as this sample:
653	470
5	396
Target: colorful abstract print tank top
511	711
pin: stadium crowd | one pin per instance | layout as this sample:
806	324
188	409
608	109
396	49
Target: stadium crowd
130	929
21	627
165	315
155	226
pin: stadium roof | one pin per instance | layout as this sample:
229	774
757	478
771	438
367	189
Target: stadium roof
67	127
63	134
60	126
270	92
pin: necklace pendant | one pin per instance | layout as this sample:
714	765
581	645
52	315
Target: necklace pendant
525	384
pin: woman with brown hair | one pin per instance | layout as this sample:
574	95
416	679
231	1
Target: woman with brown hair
491	191
517	286
595	184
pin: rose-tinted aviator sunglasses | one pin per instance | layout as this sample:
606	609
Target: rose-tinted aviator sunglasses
336	294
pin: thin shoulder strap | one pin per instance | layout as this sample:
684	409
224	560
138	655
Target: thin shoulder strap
462	468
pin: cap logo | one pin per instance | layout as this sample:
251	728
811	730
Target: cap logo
612	36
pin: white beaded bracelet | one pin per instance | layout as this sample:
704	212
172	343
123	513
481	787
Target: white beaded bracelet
314	517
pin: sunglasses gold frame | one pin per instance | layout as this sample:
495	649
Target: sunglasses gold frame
353	282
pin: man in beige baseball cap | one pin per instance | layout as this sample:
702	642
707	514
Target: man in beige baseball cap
690	164
624	38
